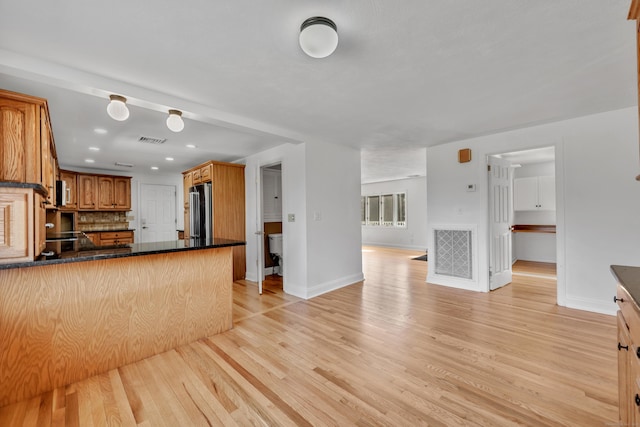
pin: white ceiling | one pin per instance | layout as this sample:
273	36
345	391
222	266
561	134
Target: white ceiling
406	75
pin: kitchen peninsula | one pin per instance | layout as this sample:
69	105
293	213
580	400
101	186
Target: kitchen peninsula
67	319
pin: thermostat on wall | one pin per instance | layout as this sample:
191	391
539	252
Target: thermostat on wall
471	187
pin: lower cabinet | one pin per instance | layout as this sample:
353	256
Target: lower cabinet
22	225
110	238
628	359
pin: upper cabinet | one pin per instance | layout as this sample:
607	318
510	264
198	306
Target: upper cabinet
27	149
104	192
536	193
87	192
70	196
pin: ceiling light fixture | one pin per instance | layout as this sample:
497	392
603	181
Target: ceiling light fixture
174	121
169	158
190	146
318	37
155	168
117	108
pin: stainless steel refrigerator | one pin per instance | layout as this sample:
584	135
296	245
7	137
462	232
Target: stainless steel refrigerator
200	212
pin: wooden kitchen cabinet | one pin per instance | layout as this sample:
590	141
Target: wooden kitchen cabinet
22	224
109	238
187	182
27	149
228	194
71	195
87	192
625	383
227	181
104	192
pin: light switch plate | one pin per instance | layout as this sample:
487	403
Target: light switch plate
292	217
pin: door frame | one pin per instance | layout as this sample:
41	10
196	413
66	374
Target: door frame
260	219
561	291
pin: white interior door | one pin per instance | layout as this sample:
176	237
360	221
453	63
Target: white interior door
157	213
499	222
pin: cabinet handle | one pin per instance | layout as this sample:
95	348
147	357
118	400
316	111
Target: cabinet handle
620	347
616	299
637	399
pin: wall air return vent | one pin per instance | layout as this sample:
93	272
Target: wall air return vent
151	140
126	165
454	253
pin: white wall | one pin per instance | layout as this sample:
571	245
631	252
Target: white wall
415	235
316	178
136	180
598	199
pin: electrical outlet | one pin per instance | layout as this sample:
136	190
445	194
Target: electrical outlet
292	217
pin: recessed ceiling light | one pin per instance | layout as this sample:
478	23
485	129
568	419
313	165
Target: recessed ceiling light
100	131
155	168
94	148
169	158
89	160
190	146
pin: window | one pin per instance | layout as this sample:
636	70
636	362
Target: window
386	210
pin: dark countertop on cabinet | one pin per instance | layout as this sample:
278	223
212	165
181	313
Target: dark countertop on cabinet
629	278
127	250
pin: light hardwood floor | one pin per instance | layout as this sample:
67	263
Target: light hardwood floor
392	351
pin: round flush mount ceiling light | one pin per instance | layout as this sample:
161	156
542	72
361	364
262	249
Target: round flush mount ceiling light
117	108
318	37
174	121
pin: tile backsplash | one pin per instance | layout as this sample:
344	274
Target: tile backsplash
99	221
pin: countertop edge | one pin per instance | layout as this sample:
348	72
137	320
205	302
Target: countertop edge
632	288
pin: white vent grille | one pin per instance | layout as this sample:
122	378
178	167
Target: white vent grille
453	255
151	140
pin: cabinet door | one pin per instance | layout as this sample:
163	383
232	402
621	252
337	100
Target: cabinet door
547	193
105	193
205	173
87	191
122	193
72	190
19	142
197	179
525	194
187	182
16	225
47	159
40	231
94	237
625	374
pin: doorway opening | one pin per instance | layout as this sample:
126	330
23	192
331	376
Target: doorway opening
522	213
272	254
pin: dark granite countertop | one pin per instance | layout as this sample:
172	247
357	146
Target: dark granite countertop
629	278
127	250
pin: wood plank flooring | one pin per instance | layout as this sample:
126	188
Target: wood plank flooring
391	351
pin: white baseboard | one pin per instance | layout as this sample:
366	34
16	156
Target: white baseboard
453	282
332	285
596	306
250	276
389	245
